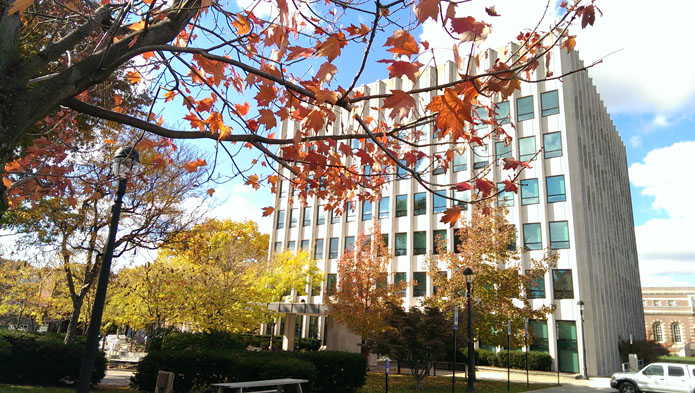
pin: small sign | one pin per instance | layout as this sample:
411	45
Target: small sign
526	327
509	327
388	366
456	317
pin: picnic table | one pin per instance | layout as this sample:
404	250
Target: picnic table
277	383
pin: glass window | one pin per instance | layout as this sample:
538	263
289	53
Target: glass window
401	205
335	217
529	192
331	283
532	236
385	238
504	198
460	162
654	370
318	248
482	114
555	186
401	173
280	219
291	245
559	235
549	103
552	145
419	284
419	203
401	244
366	210
502	151
539	332
512	242
304	245
438	168
676	332
349	243
283	188
676	371
384	207
524	108
306	218
333	248
398	278
277	246
298	326
562	284
350	212
480	157
313	327
419	243
458	240
438	203
656	303
658	332
439	243
355	144
537	288
293	217
321	215
462	198
502	112
527	148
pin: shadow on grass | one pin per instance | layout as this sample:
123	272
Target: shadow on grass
406	383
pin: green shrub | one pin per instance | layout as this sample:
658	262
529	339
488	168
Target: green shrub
215	340
484	357
677	359
307	344
647	350
517	359
327	372
36	359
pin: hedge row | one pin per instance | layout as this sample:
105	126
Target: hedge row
326	371
218	340
536	360
36	359
677	359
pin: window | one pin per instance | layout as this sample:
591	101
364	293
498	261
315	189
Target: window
399	278
277	246
480	156
385	238
537	288
656	303
367	170
438	168
460	162
527	148
524	108
654	370
552	145
304	245
349	243
280	220
350	212
313	327
676	333
502	112
562	284
366	210
483	116
439	243
672	303
298	326
321	215
512	242
331	283
658	332
458	240
532	236
419	243
539	332
283	188
333	248
293	217
291	245
384	207
529	192
401	244
419	203
419	284
355	144
401	173
559	235
438	203
318	248
462	198
401	205
555	186
502	151
335	217
549	103
504	198
306	219
676	371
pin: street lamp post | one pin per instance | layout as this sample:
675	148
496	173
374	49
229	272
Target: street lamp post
453	364
468	273
585	375
125	162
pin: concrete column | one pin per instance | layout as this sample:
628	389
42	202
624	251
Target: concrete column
288	334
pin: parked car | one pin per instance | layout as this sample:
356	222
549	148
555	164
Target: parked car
657	378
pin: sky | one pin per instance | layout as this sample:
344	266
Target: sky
647	82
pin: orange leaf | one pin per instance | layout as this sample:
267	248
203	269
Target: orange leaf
195	121
451	216
267	118
491	11
326	72
137	25
253	182
398	69
210	191
331	47
265	95
19	6
216	123
402	43
268	211
242	24
133	77
453	113
194	165
109	141
569	43
314	121
295	52
401	103
469	28
362	30
504	81
426	9
243	109
322	96
7	182
169	95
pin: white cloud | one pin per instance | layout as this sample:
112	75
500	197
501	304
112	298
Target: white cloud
242	203
665	246
635	141
648	67
660	121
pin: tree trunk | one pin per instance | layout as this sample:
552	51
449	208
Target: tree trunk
74	318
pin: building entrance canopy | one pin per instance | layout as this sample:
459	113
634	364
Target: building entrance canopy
298	308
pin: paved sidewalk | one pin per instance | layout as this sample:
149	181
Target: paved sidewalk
116	377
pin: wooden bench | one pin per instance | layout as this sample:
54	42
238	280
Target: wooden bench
277	383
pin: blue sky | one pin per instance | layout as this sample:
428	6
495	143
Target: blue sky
648	85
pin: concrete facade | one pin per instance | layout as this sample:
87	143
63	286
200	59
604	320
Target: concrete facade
591	219
669	318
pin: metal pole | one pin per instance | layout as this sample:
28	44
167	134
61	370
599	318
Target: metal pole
526	348
585	375
471	350
509	347
453	364
87	365
557	349
388	366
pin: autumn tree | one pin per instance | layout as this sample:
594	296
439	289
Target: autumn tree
487	244
364	298
235	74
74	227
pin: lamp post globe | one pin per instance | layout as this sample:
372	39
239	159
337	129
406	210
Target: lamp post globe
125	163
468	274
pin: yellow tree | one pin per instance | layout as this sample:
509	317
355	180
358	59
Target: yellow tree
364	298
487	245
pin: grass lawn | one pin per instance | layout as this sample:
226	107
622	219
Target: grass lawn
406	383
41	389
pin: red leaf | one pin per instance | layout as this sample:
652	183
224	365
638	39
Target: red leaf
485	186
365	158
510	186
588	15
362	30
401	104
451	216
511	163
398	69
345	149
268	211
464	186
402	43
194	165
426	9
242	109
469	28
211	191
491	11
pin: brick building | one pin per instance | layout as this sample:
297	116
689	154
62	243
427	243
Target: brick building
669	318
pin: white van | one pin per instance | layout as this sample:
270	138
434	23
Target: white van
657	378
